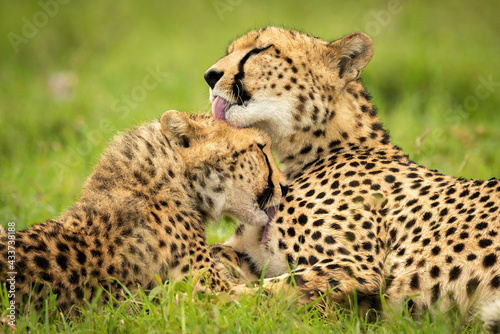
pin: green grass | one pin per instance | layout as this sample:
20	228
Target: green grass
426	78
176	308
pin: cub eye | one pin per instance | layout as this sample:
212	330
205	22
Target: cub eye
265	46
261	146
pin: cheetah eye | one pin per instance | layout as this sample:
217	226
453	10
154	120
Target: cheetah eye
261	146
265	47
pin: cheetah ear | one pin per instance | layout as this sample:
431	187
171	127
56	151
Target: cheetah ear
179	128
351	54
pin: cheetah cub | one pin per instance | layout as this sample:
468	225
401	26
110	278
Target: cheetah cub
143	211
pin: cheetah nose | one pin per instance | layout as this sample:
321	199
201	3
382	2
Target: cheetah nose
284	190
212	76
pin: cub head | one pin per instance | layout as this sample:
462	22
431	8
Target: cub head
229	171
282	81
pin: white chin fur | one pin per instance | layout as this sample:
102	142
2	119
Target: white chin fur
272	112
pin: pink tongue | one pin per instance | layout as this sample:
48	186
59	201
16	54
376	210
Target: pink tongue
219	107
271	212
265	234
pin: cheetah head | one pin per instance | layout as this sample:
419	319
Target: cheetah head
279	80
229	171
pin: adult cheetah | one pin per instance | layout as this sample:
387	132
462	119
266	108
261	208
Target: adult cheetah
360	215
143	210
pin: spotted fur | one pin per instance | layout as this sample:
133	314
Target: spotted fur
143	210
360	215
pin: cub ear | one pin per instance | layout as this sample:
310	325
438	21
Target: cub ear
179	128
351	54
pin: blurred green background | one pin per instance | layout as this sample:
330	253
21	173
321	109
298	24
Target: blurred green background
73	73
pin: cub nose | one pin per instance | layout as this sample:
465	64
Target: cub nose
212	76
